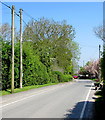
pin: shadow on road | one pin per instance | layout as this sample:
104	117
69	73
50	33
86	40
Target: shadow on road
88	86
72	114
75	113
93	87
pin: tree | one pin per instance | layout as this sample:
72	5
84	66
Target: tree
91	68
52	40
6	64
82	71
34	72
5	32
100	32
45	42
103	65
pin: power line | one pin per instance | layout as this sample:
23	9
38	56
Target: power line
29	15
22	19
25	23
15	12
6	5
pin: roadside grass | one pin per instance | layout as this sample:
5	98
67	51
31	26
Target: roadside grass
16	90
100	105
94	79
3	92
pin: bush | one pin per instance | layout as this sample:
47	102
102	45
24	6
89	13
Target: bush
67	78
6	64
53	77
103	66
35	73
61	77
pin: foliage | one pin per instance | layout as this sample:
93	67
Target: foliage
91	68
100	32
67	78
34	72
62	77
52	41
100	104
16	90
103	65
6	64
59	76
82	71
45	43
100	101
5	32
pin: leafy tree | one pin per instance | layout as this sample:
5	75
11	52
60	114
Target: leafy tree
6	64
103	65
45	42
100	33
91	68
52	40
5	32
82	71
34	72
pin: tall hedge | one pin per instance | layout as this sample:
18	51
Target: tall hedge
34	71
6	64
103	65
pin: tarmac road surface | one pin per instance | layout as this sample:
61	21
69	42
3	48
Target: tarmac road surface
65	100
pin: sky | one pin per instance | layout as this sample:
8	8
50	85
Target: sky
83	16
53	0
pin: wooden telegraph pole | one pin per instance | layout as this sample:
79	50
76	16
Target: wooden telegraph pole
21	48
99	51
12	37
99	64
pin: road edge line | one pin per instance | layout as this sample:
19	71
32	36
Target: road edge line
84	107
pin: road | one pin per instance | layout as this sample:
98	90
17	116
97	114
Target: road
66	100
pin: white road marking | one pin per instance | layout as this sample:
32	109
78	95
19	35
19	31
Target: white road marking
34	94
84	107
38	93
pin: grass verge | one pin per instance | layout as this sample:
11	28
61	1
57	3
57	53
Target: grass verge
3	92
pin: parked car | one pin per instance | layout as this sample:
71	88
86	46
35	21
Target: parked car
75	76
82	76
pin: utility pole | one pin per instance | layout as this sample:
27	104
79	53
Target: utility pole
12	38
21	48
99	51
99	64
83	63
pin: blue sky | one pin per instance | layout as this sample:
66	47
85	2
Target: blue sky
83	16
